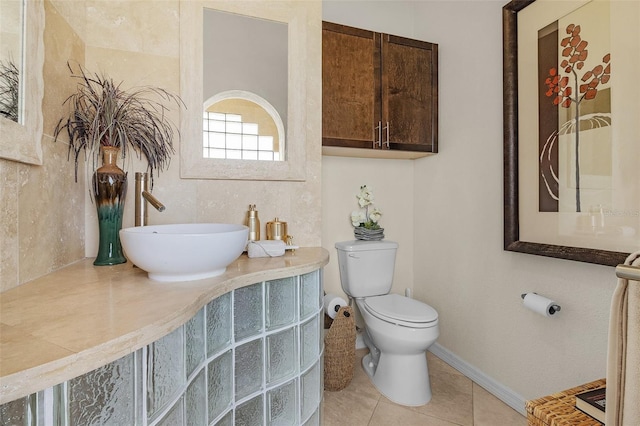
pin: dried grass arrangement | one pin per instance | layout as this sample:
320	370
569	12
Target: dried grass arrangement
103	114
9	90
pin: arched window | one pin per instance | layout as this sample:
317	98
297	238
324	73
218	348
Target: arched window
241	125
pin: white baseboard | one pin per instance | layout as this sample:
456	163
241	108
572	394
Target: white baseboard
495	388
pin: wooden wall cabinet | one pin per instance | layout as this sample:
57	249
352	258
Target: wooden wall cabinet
379	94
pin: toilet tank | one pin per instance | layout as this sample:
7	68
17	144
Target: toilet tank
366	267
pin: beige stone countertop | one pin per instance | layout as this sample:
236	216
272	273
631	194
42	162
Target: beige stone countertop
81	317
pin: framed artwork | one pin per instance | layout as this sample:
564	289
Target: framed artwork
572	129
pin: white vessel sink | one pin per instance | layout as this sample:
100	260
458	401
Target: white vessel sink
184	252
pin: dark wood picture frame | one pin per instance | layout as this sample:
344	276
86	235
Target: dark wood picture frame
510	157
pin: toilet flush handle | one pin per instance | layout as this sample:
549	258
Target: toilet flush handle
354	256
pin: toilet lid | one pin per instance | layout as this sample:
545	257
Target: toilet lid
396	308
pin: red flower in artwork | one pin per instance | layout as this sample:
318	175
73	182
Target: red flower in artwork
574	53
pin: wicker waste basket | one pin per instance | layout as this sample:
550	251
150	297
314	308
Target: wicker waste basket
340	350
560	409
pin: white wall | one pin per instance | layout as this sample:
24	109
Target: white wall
392	181
392	184
458	263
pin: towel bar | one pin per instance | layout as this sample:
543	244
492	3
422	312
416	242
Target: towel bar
628	272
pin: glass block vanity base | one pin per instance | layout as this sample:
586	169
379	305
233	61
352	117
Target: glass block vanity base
252	356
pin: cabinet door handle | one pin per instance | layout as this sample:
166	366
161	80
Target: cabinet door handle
386	141
379	141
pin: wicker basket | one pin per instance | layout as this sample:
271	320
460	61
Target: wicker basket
340	350
560	409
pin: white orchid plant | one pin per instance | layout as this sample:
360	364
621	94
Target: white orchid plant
369	217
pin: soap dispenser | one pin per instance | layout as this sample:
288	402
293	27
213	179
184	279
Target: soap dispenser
253	222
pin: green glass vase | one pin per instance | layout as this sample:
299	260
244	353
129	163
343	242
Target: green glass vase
110	190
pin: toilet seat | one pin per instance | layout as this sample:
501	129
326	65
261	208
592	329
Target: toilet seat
402	311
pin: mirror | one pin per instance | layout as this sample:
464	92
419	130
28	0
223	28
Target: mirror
248	57
263	70
20	139
10	58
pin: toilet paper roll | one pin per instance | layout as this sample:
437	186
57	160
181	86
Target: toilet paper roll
540	304
332	304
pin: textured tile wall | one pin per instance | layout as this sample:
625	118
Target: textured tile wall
48	221
42	220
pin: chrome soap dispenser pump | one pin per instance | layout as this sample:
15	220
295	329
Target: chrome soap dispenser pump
253	222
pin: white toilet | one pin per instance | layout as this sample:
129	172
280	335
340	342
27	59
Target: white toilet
398	329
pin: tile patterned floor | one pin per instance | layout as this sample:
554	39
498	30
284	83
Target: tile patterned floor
457	401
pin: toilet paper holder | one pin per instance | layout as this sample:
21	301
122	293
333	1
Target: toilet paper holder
554	308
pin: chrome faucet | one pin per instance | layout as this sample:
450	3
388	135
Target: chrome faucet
142	197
